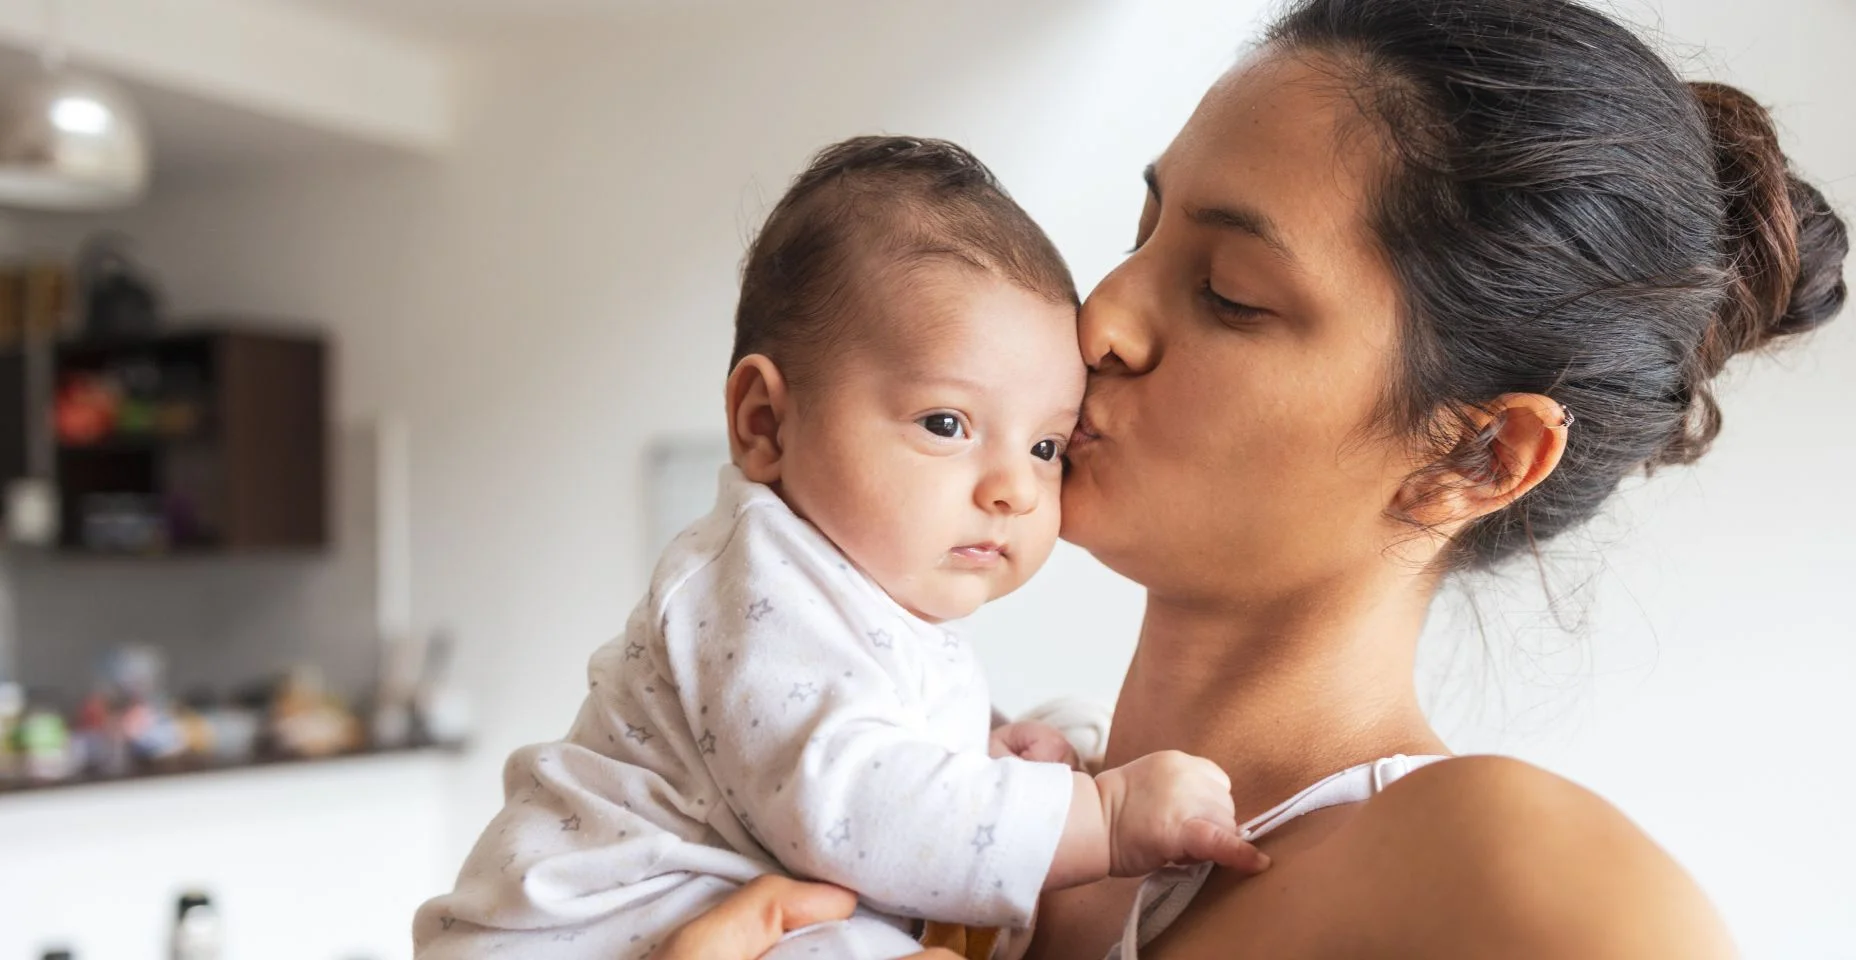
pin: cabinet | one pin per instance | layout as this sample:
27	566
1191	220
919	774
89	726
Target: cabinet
202	441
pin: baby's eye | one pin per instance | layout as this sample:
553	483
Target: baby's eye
1046	450
943	425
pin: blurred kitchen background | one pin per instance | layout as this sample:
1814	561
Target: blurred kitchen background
334	445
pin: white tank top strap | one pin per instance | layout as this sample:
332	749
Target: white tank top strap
1164	895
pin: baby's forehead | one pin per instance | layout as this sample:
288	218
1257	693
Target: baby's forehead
924	308
947	320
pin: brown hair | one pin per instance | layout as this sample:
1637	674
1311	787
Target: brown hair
870	202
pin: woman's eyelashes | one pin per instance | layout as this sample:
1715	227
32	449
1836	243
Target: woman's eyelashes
1227	309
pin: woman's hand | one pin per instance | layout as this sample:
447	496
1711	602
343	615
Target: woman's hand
754	918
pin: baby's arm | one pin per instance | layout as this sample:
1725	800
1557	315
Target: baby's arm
833	773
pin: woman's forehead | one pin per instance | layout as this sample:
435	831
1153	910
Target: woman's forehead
1279	134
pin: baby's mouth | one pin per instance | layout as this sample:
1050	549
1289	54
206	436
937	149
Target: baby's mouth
980	554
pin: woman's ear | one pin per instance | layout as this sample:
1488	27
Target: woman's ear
758	404
1510	445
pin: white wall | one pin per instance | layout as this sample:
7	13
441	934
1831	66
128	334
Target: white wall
559	294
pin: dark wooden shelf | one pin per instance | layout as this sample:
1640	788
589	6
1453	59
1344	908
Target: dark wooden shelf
9	788
250	475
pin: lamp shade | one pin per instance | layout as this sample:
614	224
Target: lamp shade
69	141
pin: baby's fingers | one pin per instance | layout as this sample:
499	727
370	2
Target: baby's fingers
1034	741
1049	749
1204	840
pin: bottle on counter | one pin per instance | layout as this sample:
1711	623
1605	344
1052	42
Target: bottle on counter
44	743
196	929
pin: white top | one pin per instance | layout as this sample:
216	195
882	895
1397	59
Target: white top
768	708
1166	894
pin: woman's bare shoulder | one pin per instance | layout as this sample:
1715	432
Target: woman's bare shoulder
1489	856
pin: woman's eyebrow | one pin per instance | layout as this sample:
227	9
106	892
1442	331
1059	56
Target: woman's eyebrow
1246	220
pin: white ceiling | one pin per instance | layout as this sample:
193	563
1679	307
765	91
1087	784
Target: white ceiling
190	136
194	136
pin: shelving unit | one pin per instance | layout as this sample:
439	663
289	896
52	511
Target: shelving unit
194	768
228	454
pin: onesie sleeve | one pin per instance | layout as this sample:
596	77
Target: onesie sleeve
792	686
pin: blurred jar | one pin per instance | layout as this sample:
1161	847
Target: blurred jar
196	929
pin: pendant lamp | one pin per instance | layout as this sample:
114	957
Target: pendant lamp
68	140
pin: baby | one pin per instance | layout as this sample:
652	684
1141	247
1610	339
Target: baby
788	696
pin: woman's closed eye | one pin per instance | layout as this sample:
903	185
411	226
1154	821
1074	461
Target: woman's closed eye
948	426
1225	307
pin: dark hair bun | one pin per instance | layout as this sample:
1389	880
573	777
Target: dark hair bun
1785	249
1823	245
1784	243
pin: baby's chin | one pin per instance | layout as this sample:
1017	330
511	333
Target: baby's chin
938	609
947	596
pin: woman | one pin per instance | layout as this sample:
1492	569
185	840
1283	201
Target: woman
1417	285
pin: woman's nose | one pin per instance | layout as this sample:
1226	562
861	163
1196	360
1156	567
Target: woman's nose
1114	327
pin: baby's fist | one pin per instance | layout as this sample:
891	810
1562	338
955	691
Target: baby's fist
1171	807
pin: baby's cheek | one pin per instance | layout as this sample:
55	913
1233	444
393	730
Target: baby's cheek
1050	522
1038	536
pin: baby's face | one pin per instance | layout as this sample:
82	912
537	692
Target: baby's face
932	452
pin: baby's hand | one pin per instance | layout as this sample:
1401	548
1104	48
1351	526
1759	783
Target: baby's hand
1171	807
1031	740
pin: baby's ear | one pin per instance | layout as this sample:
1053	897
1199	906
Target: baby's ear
758	402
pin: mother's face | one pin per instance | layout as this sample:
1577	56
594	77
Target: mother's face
1240	353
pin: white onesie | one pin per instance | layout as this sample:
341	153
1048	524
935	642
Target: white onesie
768	709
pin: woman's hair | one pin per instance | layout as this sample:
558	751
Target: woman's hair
1566	216
868	202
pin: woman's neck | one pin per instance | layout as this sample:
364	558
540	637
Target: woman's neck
1280	694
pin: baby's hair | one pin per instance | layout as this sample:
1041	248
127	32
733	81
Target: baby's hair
867	204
